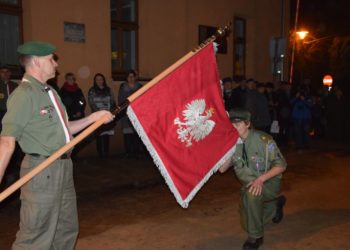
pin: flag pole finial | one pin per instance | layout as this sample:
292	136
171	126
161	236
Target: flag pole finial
220	32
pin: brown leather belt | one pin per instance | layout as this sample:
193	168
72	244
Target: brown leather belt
62	157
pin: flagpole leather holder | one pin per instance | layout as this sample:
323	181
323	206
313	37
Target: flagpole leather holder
23	180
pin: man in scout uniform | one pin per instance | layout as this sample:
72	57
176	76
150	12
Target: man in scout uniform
37	119
258	164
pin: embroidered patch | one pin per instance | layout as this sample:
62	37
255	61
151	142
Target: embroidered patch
271	147
43	112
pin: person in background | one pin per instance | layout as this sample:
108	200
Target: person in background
284	110
101	97
132	143
6	88
270	94
227	91
258	165
73	98
37	119
263	118
336	115
239	93
74	101
251	98
301	116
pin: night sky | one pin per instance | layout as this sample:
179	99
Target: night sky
326	20
325	17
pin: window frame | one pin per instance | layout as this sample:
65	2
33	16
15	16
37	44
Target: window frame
237	41
120	26
14	10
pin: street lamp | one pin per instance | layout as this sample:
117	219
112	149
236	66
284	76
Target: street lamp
302	34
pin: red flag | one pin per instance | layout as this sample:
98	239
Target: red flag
183	123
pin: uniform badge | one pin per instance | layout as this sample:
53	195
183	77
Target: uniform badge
43	112
271	147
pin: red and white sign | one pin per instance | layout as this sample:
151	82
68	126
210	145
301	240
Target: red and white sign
327	80
183	123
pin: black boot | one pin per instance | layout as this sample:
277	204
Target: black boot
253	243
281	201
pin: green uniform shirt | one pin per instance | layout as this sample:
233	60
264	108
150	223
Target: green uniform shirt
262	155
32	119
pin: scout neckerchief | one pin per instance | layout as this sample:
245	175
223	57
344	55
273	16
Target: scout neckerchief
60	113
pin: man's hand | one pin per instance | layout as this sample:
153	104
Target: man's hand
98	114
256	186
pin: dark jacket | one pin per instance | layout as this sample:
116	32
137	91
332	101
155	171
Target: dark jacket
74	101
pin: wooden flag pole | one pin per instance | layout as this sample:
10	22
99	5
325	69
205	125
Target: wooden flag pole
11	189
23	180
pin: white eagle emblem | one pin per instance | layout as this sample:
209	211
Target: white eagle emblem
197	125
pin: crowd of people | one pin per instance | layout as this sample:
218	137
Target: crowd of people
291	114
100	97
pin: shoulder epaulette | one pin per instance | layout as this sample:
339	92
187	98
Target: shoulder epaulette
264	136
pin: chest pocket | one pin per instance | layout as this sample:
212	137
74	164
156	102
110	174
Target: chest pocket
257	163
243	173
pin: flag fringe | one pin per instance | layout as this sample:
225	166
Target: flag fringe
226	156
160	165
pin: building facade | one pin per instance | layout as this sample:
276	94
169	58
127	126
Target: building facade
113	36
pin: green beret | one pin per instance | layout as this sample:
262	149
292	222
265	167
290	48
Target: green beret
36	48
238	114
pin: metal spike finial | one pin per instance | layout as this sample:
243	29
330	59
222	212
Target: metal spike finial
220	32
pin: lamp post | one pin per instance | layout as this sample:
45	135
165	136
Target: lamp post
294	41
297	35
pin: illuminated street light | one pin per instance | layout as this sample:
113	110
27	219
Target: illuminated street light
302	34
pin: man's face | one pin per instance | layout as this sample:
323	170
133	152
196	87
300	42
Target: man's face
5	74
242	128
131	78
70	79
48	66
99	81
227	85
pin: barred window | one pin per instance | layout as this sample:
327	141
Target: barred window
124	36
11	30
239	46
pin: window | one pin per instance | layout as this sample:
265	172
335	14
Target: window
204	32
11	30
239	46
124	37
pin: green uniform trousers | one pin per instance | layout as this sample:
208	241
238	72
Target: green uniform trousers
257	211
48	216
